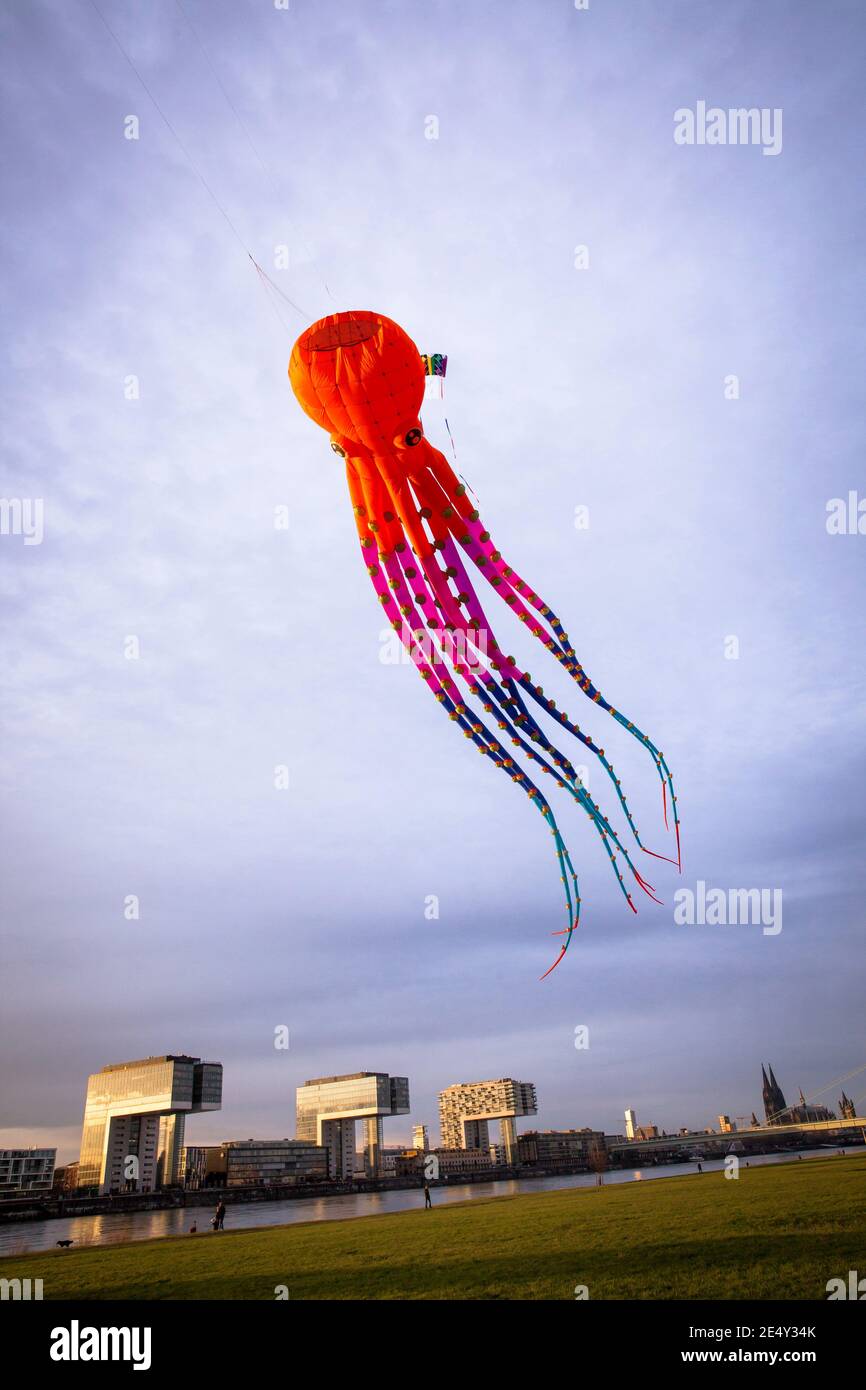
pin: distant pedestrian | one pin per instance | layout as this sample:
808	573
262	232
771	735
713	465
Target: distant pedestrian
700	1169
219	1218
428	1200
193	1228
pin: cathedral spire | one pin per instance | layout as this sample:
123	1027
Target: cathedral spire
774	1100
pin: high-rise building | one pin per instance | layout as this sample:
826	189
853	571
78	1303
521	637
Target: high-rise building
328	1106
630	1124
26	1170
420	1138
132	1140
465	1112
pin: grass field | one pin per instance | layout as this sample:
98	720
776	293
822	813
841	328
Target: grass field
775	1232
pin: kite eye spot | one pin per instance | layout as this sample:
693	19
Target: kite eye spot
413	436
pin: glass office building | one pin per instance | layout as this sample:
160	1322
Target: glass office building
134	1116
328	1107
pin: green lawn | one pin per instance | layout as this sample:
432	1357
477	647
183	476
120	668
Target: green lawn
775	1232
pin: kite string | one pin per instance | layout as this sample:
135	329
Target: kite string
273	284
263	280
188	157
265	168
454	452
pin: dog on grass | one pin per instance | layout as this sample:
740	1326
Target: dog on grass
64	1244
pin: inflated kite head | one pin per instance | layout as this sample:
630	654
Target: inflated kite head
360	377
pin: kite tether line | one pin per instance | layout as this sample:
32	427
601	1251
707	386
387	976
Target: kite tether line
201	178
262	163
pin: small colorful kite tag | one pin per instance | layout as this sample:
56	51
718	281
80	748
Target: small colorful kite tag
435	364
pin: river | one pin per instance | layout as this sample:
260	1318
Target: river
116	1228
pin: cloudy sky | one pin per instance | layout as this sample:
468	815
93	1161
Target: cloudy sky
166	646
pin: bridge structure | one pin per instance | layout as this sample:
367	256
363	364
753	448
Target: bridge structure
753	1139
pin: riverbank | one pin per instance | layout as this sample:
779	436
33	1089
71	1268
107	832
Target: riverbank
55	1207
776	1232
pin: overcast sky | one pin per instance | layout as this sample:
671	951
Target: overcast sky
606	387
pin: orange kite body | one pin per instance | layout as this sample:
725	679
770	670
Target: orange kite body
361	378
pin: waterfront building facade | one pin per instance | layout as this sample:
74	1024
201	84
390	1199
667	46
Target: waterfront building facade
329	1106
462	1160
66	1177
560	1148
409	1163
132	1139
420	1138
203	1165
465	1112
274	1162
26	1170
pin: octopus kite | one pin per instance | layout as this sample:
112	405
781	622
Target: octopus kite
360	377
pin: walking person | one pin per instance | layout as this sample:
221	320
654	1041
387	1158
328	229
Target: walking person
428	1200
219	1218
700	1169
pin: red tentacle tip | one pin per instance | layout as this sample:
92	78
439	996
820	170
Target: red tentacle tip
664	857
555	964
644	882
647	887
679	851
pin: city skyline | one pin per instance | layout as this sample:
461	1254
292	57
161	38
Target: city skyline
167	648
216	1131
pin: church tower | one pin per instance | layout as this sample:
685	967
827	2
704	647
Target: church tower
774	1100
